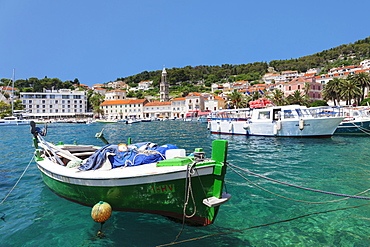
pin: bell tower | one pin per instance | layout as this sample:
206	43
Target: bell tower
164	88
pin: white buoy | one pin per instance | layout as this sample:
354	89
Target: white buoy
301	124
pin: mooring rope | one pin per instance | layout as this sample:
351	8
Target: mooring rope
258	226
301	187
17	182
288	198
11	190
188	191
362	129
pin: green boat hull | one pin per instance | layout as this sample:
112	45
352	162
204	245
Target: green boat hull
164	198
185	189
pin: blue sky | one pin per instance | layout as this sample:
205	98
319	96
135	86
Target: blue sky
100	41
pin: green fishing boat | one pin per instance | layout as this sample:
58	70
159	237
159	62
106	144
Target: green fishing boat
141	177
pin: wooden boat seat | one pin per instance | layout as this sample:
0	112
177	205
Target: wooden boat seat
83	154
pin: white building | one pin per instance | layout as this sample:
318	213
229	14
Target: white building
157	109
214	103
123	109
194	101
115	94
144	85
118	85
179	108
54	103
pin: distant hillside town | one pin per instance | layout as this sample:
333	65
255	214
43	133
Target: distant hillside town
115	101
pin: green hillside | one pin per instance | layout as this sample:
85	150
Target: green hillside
346	54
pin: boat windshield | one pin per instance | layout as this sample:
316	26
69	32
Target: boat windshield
288	114
230	114
264	115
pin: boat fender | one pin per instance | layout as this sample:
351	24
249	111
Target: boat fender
231	127
218	127
274	129
301	124
209	125
122	147
278	125
246	126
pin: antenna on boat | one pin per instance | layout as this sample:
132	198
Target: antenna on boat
12	98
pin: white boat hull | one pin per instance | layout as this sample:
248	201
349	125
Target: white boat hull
307	126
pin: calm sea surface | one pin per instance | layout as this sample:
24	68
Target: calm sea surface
37	217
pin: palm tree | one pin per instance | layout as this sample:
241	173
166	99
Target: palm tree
236	99
256	95
363	79
94	100
307	87
297	98
277	97
349	90
331	90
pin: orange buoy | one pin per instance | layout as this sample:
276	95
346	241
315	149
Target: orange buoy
101	211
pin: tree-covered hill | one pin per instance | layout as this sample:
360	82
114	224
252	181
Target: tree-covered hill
346	54
349	54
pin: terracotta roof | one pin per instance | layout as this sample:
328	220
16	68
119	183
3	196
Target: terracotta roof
123	102
215	97
99	88
116	90
362	71
177	99
289	71
193	94
260	85
158	103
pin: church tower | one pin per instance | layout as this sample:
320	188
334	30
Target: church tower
164	88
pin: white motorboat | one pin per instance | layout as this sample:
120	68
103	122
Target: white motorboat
282	121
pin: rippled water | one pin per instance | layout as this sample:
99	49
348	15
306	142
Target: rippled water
37	217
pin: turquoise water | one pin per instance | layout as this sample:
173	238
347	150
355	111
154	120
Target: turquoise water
37	217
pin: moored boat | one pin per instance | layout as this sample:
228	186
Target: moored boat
141	177
11	121
357	121
106	121
282	121
132	121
